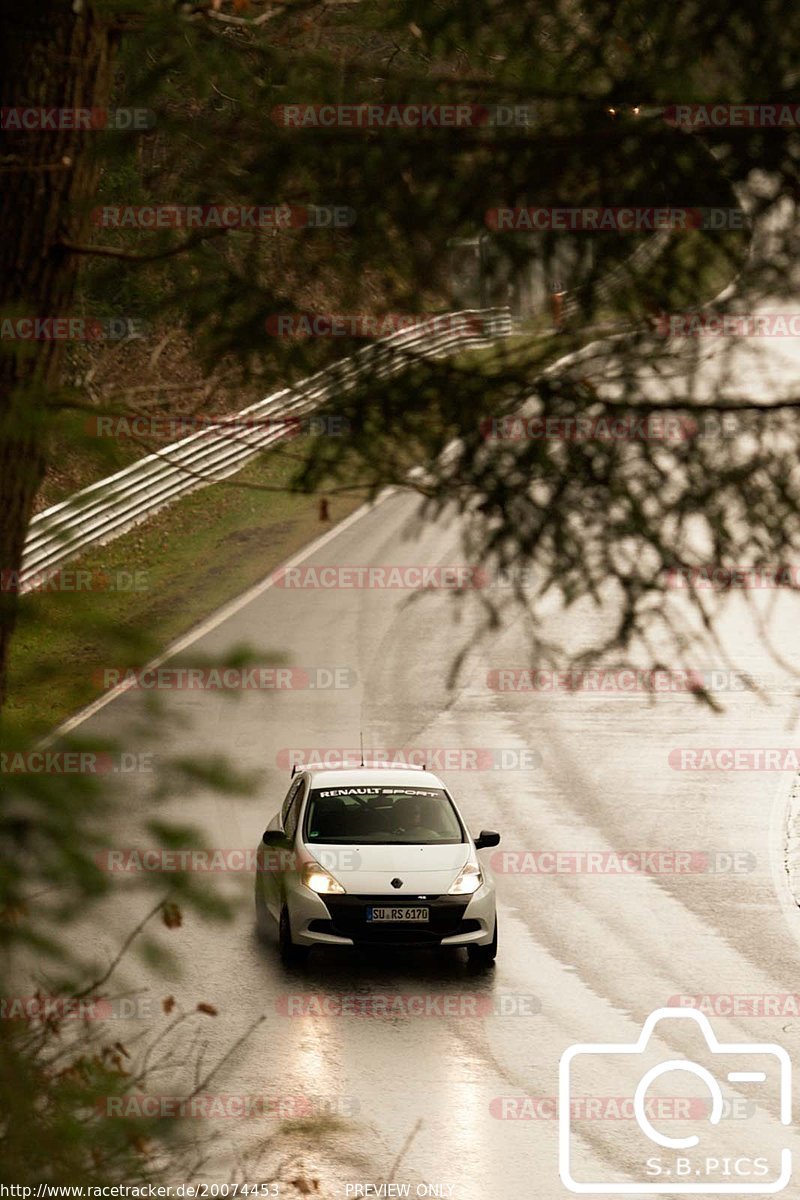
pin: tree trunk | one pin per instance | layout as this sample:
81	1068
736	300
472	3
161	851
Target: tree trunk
55	55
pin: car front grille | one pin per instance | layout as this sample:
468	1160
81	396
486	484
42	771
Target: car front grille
349	919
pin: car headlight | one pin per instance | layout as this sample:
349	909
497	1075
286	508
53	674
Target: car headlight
319	880
469	880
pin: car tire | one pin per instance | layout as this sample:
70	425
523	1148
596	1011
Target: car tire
484	956
291	954
262	913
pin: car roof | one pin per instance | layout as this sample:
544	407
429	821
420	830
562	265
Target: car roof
322	776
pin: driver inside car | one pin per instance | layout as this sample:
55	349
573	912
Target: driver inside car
414	816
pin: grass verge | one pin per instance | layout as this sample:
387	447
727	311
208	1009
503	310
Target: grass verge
152	584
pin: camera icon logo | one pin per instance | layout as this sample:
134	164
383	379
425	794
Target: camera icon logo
658	1162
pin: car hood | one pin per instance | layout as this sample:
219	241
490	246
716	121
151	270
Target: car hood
369	870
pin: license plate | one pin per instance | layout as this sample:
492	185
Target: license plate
398	914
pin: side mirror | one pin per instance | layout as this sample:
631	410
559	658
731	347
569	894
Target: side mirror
274	837
486	838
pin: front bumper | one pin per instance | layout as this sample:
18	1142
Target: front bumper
341	920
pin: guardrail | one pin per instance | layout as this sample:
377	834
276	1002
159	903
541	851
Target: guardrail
106	509
626	273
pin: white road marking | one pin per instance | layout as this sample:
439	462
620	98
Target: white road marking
221	615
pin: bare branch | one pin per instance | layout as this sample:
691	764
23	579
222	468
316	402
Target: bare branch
92	987
131	256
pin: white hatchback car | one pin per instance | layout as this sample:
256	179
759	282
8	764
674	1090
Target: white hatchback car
374	856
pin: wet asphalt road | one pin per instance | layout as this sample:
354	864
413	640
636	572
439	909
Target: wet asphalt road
584	956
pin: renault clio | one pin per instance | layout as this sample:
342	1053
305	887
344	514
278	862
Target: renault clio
374	856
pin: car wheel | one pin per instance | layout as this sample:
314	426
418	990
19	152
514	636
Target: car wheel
262	912
292	955
484	956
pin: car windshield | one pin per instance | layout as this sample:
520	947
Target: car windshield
382	815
